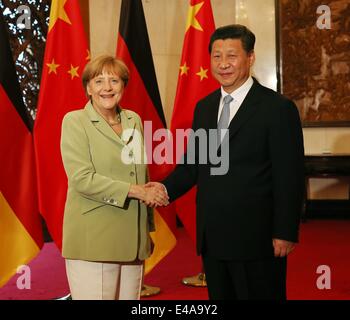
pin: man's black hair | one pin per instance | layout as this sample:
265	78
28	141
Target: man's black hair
234	31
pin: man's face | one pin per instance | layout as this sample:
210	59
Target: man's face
230	63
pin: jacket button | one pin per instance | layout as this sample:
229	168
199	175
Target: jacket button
132	174
131	154
112	201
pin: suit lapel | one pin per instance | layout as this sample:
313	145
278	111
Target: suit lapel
213	110
128	122
246	110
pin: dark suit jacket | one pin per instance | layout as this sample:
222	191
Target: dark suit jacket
260	197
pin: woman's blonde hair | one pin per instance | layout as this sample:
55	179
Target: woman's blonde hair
108	64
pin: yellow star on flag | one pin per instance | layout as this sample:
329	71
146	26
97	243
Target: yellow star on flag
191	17
202	73
53	66
74	71
184	69
58	12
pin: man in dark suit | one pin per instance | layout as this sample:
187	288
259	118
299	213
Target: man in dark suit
247	218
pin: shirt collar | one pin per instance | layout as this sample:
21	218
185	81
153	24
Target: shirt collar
240	93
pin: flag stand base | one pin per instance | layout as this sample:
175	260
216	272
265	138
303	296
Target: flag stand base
195	281
67	297
148	291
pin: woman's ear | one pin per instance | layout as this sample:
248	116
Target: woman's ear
88	90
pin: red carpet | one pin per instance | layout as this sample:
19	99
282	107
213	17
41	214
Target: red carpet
325	242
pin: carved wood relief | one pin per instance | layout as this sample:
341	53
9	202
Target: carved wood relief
28	45
315	63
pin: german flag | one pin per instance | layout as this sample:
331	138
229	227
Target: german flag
20	225
142	96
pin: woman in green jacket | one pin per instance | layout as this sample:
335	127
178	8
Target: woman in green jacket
106	221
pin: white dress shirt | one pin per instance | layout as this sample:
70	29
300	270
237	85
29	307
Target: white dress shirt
238	97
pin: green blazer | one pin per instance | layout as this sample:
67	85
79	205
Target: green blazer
100	222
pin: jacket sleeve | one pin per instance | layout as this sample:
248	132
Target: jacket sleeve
287	158
184	176
80	170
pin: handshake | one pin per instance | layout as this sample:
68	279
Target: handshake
153	194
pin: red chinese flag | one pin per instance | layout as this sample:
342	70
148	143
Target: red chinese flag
61	91
142	96
20	225
194	82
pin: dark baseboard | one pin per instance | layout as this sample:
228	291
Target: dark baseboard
328	209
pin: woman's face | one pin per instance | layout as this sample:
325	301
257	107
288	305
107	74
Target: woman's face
105	91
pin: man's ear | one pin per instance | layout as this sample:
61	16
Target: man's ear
251	58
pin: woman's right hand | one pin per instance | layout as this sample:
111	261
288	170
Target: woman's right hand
151	196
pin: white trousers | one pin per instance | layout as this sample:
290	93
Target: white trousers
104	281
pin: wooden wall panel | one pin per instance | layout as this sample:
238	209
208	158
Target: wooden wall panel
315	62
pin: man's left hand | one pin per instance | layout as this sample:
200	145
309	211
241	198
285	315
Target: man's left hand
282	247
